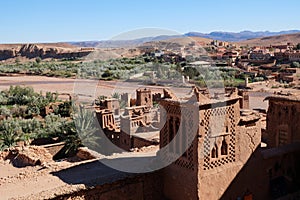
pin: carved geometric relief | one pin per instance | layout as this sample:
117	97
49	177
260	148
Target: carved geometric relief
219	149
179	121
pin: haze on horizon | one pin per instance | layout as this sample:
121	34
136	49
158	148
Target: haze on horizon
60	21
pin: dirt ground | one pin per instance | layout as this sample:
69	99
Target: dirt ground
53	179
21	182
65	85
88	89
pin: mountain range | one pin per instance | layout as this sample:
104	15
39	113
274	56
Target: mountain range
217	35
240	36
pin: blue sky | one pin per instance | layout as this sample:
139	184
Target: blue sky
82	20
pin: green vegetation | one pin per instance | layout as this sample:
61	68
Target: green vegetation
57	69
23	119
85	123
167	68
295	65
24	102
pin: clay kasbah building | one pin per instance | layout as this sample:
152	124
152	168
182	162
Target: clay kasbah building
219	148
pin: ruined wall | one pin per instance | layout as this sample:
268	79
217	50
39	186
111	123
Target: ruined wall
134	120
112	105
144	98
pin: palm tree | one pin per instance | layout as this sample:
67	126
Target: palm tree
9	136
116	95
86	131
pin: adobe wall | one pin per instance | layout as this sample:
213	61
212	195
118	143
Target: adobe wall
144	186
125	138
263	173
125	141
144	98
140	142
283	122
215	182
244	102
179	183
113	136
54	148
180	178
217	172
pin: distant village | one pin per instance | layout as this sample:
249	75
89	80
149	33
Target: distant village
274	62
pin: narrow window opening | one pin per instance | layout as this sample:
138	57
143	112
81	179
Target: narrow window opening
214	152
224	148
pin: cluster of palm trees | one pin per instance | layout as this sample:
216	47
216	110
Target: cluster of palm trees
72	124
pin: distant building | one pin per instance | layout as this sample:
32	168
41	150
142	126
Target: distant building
260	55
288	56
230	55
289	75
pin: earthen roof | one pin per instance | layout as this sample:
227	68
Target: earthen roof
283	97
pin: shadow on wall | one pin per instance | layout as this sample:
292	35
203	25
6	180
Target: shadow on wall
268	174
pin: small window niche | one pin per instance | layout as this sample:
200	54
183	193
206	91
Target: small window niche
214	152
227	129
224	147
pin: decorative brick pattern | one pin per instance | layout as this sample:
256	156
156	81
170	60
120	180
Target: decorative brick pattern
226	112
185	130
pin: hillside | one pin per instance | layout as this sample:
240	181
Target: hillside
274	40
122	43
187	40
42	45
49	50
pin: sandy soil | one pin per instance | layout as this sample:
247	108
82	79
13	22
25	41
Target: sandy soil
88	89
21	182
261	90
57	178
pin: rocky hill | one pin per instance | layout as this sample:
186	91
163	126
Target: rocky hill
55	50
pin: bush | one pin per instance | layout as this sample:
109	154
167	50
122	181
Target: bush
64	109
38	60
15	130
295	65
